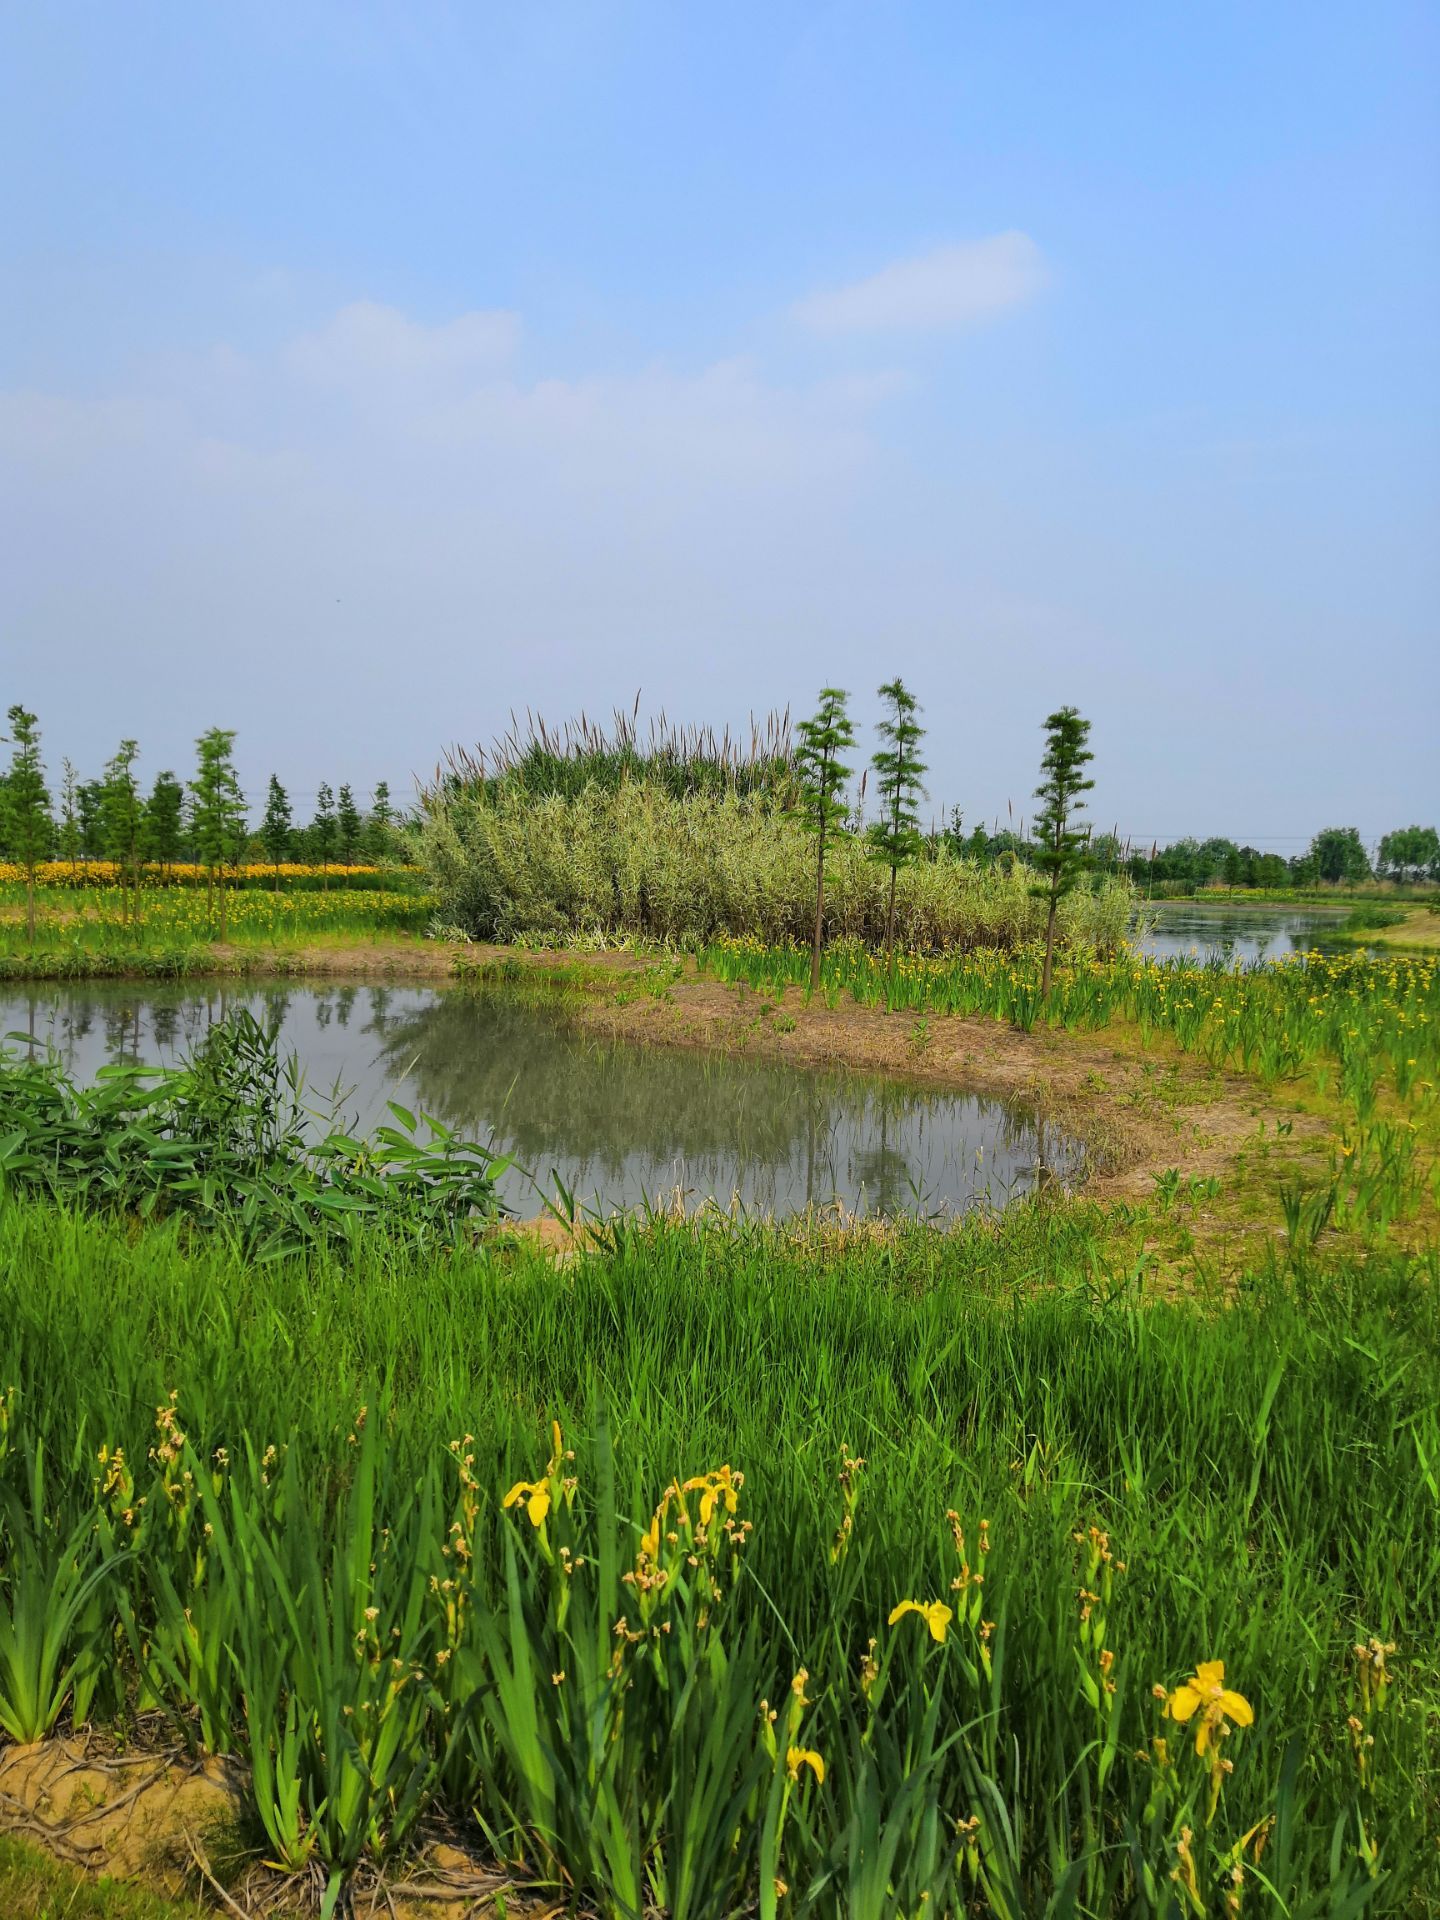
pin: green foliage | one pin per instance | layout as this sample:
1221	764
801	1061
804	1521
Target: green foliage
1061	842
69	840
1338	856
347	825
322	827
25	804
380	825
299	1558
224	1141
1411	854
162	828
894	838
122	810
277	827
217	805
820	777
638	863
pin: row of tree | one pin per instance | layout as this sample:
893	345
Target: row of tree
1059	850
1336	856
204	819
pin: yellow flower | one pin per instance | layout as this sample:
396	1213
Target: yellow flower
798	1757
1206	1693
536	1494
712	1487
936	1615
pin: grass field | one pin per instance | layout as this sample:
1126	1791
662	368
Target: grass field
1264	1470
726	1569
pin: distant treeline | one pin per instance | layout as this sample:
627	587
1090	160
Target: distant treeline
1335	857
169	821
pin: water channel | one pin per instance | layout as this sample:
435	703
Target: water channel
620	1124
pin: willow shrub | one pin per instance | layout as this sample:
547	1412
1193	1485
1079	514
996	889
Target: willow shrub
640	861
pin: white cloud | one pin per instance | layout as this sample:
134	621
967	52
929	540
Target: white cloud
367	346
953	286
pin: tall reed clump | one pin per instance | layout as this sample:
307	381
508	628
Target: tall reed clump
723	1571
635	859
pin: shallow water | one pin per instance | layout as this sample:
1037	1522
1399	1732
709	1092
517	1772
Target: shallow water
1236	934
619	1124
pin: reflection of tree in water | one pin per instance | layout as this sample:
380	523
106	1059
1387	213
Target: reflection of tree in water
553	1095
477	1061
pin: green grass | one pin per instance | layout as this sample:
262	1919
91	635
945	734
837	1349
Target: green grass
1264	1469
266	1500
35	1887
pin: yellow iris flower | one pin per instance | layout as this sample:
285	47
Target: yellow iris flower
712	1487
936	1615
536	1495
798	1757
1206	1693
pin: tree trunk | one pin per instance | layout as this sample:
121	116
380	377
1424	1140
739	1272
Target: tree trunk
1049	949
30	904
224	924
819	908
890	923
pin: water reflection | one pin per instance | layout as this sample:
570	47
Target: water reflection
1238	935
617	1123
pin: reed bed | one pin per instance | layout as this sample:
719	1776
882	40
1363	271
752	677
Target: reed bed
734	1571
636	859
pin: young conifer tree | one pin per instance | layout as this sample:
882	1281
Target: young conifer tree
323	830
894	838
163	826
28	826
380	828
121	813
347	824
822	776
275	828
1060	843
70	839
217	811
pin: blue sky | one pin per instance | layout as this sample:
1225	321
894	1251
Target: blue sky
368	371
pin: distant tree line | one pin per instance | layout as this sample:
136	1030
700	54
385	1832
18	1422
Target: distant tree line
1337	856
203	819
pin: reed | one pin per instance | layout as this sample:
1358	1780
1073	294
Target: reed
635	859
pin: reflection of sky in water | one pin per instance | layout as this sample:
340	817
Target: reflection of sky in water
616	1123
1241	934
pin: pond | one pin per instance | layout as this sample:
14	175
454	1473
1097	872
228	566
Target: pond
1237	934
619	1124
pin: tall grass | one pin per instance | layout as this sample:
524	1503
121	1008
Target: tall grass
565	759
637	859
280	1492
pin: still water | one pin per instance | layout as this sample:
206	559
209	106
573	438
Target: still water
1235	934
619	1124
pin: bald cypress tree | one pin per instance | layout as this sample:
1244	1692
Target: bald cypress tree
27	823
1061	839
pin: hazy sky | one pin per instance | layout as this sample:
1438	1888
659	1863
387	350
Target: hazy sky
369	370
